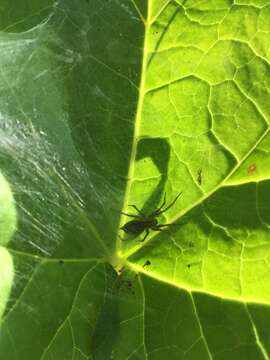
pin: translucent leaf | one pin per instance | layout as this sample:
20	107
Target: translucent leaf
107	104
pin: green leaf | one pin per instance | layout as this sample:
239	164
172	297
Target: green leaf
105	104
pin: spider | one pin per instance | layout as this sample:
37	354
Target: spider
143	222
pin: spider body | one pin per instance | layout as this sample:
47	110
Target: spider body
136	227
145	223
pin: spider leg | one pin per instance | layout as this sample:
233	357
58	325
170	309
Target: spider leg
130	215
169	206
156	212
139	211
145	236
163	225
157	229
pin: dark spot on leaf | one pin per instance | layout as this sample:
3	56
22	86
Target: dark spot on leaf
199	177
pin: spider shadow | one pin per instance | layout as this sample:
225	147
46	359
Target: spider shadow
158	150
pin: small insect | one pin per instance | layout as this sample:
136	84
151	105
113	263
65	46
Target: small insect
143	222
147	263
199	177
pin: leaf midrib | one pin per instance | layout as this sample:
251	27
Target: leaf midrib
147	26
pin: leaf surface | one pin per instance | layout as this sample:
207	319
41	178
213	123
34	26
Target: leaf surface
109	104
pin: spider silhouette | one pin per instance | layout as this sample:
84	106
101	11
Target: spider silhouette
146	223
